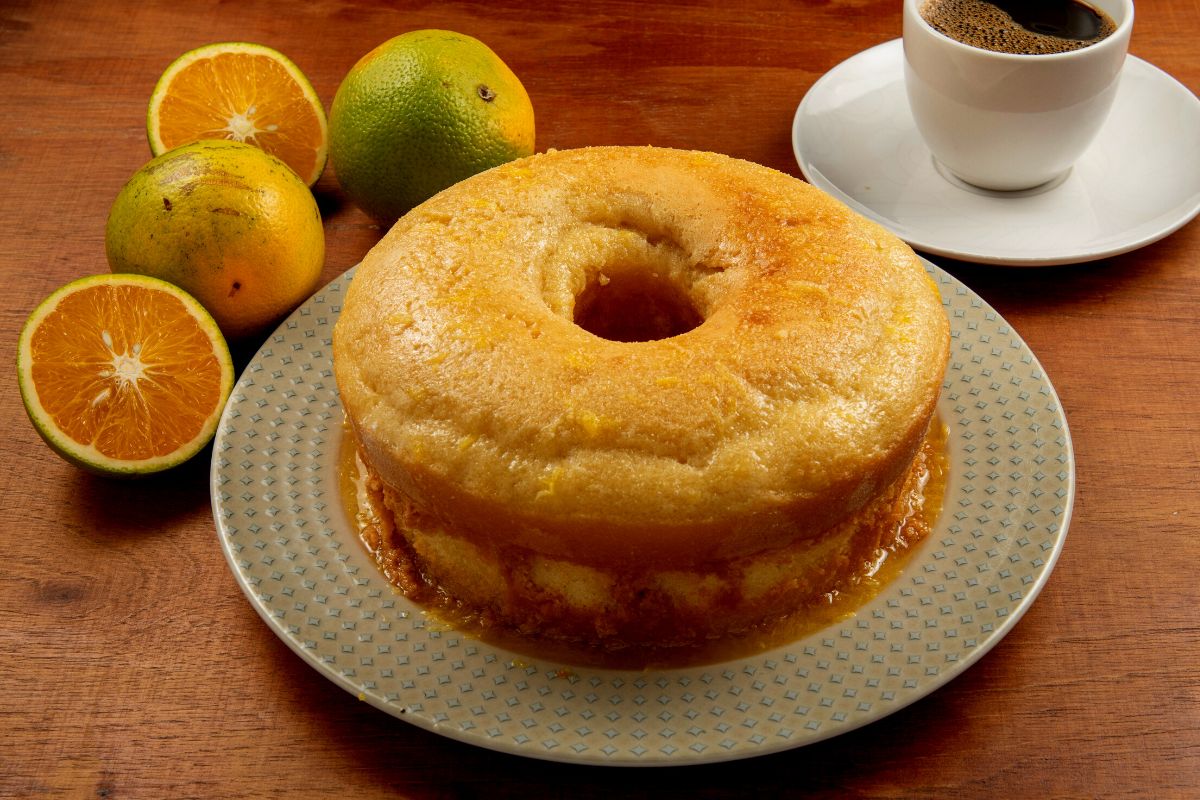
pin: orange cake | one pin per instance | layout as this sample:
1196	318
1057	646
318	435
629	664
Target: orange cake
638	397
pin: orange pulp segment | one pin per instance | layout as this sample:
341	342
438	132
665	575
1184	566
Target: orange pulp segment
244	92
123	374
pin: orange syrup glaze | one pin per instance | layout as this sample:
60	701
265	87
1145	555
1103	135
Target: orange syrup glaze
834	607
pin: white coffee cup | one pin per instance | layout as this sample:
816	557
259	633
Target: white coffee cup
1003	121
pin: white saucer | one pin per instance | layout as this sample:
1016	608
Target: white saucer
854	137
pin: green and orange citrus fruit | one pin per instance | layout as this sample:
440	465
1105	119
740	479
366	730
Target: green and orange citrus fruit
233	226
123	375
243	92
420	112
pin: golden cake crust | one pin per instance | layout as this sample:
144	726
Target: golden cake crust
805	390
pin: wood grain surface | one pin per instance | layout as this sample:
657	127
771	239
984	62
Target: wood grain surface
132	666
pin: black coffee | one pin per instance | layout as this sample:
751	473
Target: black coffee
1023	27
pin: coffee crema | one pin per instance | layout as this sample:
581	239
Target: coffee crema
1020	27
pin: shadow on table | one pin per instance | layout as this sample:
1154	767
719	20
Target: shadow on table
130	508
1064	288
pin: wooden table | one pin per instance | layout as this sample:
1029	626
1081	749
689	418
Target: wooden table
130	662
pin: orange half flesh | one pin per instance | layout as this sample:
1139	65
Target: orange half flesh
244	92
124	374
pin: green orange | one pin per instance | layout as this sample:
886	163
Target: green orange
423	111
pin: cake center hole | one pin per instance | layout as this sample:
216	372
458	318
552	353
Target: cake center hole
633	306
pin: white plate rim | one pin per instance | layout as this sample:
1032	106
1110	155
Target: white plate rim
236	492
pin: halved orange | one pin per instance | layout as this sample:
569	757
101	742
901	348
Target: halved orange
245	92
123	375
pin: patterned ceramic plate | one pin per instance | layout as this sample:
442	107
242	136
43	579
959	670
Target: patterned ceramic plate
293	549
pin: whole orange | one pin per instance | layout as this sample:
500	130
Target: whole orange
233	226
423	111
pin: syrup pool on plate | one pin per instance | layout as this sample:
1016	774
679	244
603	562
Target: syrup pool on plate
924	506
